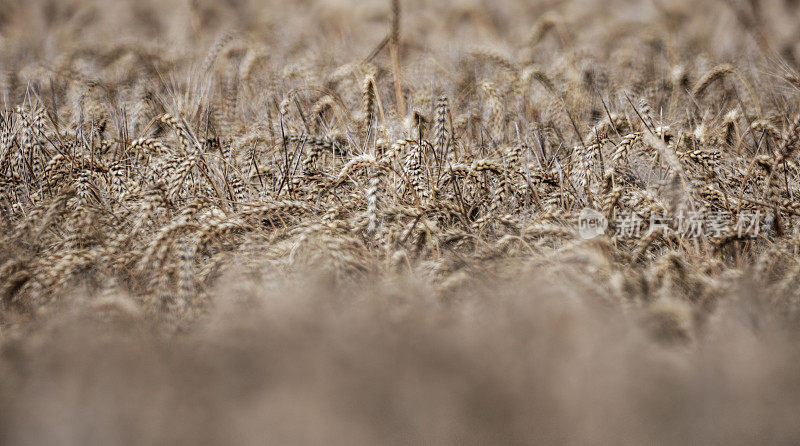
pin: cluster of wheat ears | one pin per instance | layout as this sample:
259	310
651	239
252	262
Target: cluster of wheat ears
135	169
123	184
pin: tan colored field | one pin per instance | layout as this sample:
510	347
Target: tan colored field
399	222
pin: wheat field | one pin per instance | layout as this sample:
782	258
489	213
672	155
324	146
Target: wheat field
399	222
